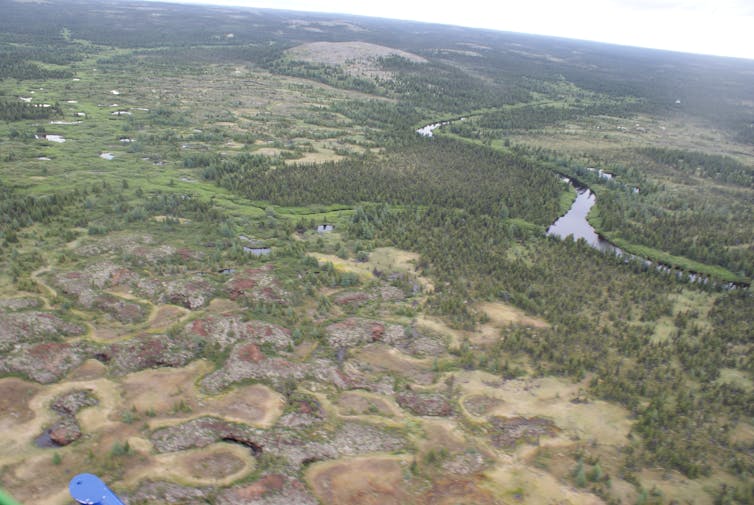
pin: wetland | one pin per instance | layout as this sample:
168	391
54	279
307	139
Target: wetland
277	289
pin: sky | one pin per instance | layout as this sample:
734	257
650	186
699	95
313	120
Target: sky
719	27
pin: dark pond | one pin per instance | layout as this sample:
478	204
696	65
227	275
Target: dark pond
258	251
45	441
574	223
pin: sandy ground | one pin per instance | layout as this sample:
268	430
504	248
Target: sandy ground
374	480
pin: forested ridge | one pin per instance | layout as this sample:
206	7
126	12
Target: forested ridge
440	172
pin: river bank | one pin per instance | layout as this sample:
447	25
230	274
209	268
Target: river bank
580	222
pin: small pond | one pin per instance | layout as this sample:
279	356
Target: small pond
257	251
51	138
45	441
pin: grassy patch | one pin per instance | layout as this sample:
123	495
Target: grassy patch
679	262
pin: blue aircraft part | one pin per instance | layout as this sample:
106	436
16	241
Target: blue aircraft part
88	489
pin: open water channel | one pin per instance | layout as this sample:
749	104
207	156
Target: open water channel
574	223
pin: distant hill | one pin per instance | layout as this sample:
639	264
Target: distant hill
713	88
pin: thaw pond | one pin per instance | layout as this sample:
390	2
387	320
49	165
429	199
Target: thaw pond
45	441
257	251
52	138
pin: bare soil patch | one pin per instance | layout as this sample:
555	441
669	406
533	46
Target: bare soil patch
459	491
382	358
519	483
177	396
553	399
255	404
212	465
91	369
176	385
15	395
479	405
359	403
222	305
165	316
502	314
37	480
375	480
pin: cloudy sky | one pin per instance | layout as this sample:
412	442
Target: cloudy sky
720	27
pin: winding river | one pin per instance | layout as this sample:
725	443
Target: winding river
574	223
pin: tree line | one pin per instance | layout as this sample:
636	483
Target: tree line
441	172
602	314
16	110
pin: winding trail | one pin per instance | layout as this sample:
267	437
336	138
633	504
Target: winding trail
53	292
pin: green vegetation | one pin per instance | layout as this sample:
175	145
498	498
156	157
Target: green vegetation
227	154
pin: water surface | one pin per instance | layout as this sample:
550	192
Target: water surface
574	223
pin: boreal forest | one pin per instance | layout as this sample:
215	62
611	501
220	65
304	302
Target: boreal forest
257	257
